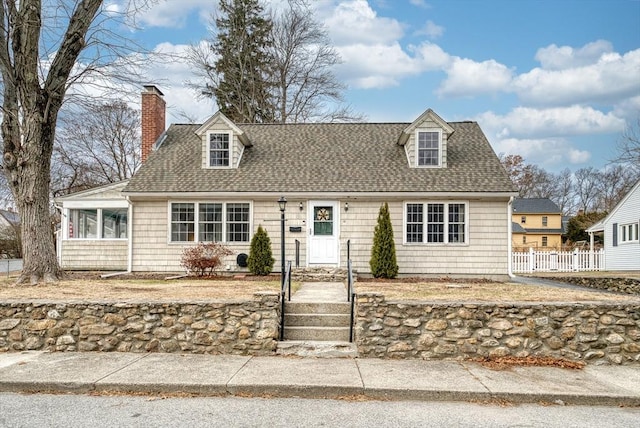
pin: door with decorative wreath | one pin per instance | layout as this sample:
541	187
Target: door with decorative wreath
323	233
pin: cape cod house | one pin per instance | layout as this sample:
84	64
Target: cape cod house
621	230
448	195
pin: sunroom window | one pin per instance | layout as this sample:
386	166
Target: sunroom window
98	223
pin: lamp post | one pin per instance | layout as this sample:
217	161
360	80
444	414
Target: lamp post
282	203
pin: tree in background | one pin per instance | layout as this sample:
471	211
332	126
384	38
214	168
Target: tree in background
96	145
629	148
579	223
260	261
383	261
277	69
45	47
235	64
304	83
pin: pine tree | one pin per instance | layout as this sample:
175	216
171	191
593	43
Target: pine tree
242	89
383	261
260	261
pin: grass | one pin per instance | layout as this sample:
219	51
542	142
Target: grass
92	287
482	291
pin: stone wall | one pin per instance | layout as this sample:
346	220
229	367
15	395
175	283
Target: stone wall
244	327
620	285
598	333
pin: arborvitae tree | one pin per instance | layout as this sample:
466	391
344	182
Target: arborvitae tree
260	261
383	261
242	44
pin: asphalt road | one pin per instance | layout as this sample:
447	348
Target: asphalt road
71	411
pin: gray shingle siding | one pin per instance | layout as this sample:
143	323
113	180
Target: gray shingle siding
324	158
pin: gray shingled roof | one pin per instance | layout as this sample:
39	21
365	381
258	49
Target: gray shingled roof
516	228
535	206
361	157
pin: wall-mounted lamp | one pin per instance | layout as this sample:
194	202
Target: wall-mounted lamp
346	206
301	206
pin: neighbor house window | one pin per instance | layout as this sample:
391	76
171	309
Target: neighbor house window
99	223
545	241
428	147
214	222
524	239
629	232
219	149
545	220
436	223
523	219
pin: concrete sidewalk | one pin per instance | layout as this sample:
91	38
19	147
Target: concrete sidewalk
85	372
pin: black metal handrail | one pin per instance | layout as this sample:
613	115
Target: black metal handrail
297	253
286	283
351	290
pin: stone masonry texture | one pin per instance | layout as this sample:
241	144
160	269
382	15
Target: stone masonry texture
597	333
245	327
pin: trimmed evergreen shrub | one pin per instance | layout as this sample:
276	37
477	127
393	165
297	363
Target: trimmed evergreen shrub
383	253
260	261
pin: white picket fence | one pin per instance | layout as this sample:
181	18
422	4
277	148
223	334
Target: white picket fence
557	261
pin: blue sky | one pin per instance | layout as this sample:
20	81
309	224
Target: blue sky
556	81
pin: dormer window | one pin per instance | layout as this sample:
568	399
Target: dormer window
219	148
429	147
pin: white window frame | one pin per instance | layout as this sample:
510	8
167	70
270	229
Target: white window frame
446	223
99	224
208	148
417	148
628	233
196	227
544	241
545	221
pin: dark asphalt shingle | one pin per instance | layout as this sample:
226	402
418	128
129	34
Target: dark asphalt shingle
362	157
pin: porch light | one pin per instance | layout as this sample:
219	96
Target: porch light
301	206
346	206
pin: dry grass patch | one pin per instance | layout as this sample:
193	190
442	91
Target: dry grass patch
482	291
90	287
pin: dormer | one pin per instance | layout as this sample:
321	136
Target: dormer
222	143
425	141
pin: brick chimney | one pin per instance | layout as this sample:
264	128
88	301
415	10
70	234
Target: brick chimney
153	118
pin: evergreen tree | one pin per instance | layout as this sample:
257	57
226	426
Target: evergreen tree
383	261
242	44
260	261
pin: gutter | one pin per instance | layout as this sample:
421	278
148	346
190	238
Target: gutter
510	236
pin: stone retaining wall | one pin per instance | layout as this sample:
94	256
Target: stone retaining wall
245	327
598	333
620	285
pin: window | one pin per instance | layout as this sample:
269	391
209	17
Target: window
523	219
216	222
428	148
98	223
545	241
629	232
545	220
436	223
524	239
219	149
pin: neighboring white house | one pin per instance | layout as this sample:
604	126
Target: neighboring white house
621	233
448	195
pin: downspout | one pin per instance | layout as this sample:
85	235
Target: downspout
60	238
510	236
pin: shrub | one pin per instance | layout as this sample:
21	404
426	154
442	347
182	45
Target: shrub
260	261
383	253
204	259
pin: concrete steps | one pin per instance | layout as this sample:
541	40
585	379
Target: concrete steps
317	349
322	321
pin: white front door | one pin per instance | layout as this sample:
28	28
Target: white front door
323	232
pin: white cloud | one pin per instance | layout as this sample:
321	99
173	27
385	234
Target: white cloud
612	78
558	58
420	3
524	122
355	22
466	77
173	14
431	30
548	153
